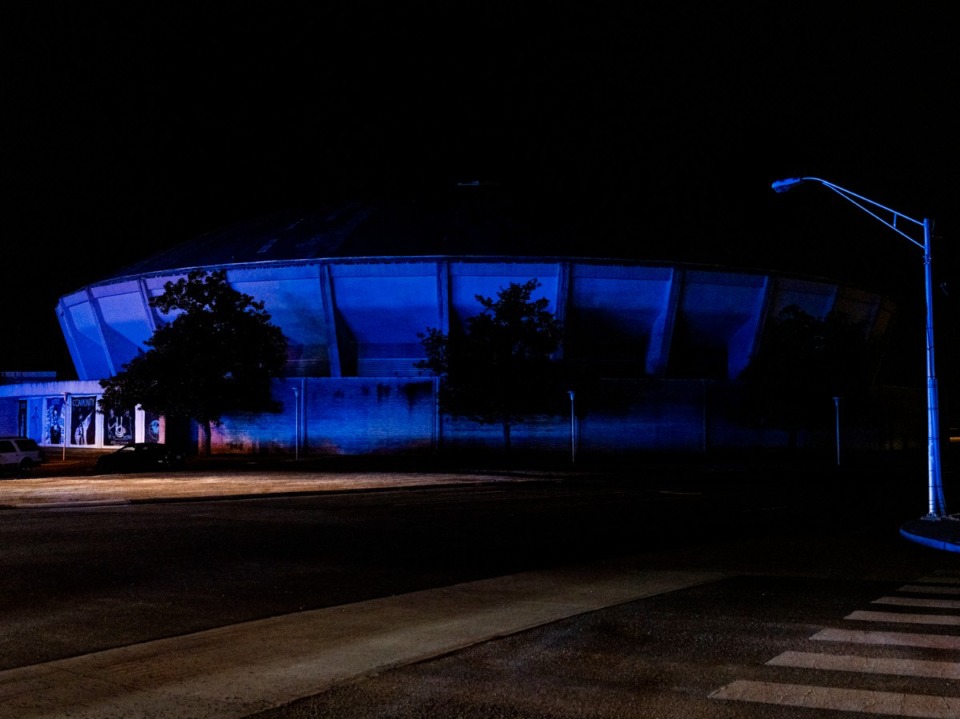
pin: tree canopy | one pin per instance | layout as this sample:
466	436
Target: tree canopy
803	364
499	367
217	355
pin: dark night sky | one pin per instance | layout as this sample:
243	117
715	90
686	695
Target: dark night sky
657	130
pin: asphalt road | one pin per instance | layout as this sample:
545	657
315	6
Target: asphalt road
86	569
94	563
677	655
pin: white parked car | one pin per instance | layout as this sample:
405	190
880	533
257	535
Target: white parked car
19	454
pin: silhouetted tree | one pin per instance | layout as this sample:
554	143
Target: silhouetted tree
499	368
217	355
802	364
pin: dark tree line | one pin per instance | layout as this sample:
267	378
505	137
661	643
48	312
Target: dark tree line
803	363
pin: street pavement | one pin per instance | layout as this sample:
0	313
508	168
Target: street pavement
263	665
238	670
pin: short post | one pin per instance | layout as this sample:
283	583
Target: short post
836	405
63	430
296	424
573	428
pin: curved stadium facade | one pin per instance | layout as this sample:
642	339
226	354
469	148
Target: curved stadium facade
352	287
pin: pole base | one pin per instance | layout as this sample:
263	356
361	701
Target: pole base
936	532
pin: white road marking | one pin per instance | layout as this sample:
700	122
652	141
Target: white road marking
868	665
896	639
929	589
918	706
868	616
919	602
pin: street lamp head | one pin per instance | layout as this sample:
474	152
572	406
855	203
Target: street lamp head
784	185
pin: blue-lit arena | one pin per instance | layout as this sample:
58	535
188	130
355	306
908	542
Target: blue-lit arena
353	285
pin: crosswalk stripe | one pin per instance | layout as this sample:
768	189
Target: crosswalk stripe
919	602
869	616
869	701
868	665
928	589
899	639
917	706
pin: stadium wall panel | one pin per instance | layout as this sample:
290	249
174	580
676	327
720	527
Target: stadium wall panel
668	341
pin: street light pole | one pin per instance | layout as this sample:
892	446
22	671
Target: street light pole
936	505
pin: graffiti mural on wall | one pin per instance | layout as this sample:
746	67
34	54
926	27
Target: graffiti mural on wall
36	423
53	421
76	421
83	420
119	427
152	433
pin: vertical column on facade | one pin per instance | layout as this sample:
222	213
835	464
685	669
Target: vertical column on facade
70	335
661	334
872	315
147	309
443	296
443	323
562	301
770	288
833	299
139	424
140	416
330	320
100	324
67	416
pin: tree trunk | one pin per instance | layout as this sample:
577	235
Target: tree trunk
207	431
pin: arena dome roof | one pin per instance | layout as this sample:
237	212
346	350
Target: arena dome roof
470	219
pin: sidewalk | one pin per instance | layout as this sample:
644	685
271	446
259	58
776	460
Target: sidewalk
237	670
70	480
77	491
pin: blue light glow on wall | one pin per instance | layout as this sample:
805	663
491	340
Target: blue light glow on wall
662	342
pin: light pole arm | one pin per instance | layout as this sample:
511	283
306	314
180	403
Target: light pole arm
867	205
